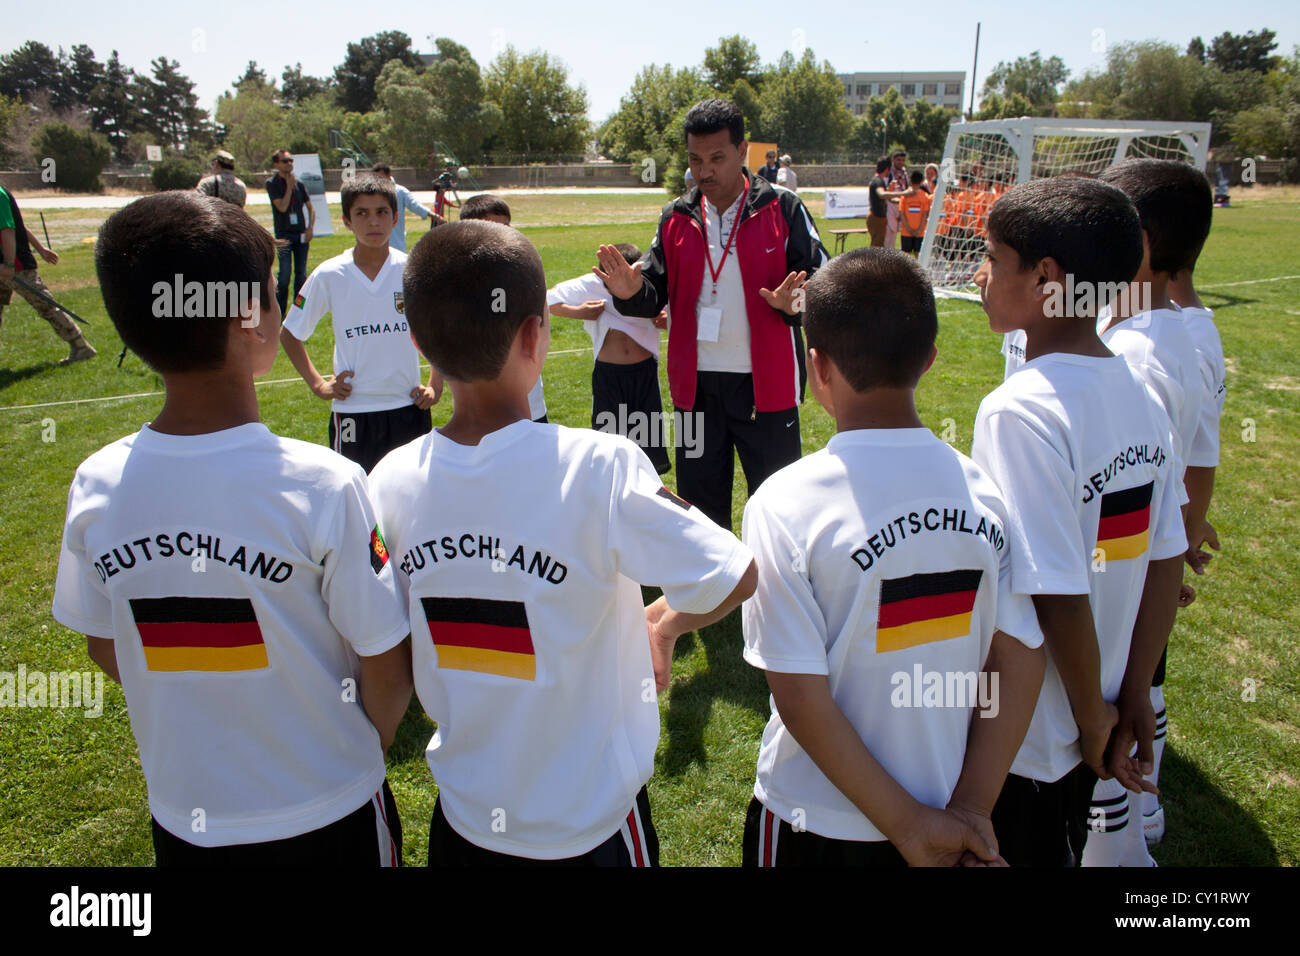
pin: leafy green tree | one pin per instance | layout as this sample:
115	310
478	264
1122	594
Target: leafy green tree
355	77
307	126
410	117
802	105
734	59
541	114
296	87
253	123
1196	49
465	119
1037	80
1250	51
83	75
32	68
997	106
642	123
79	155
168	105
253	75
10	110
176	172
112	110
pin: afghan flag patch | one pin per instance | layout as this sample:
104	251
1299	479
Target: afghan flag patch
663	492
924	608
1125	520
378	550
481	635
399	303
199	634
298	300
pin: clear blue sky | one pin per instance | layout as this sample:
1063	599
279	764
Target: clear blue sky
604	45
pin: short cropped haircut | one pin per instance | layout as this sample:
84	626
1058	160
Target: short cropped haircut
629	251
382	168
199	238
367	184
1090	228
917	177
1174	202
898	152
711	116
468	287
871	312
484	205
280	154
882	164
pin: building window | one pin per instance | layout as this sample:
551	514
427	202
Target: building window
857	110
864	89
848	89
929	89
908	89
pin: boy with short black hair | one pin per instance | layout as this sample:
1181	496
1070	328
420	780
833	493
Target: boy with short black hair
1082	454
913	211
227	577
519	547
495	209
884	556
376	399
625	394
1175	205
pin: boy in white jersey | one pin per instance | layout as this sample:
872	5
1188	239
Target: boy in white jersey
1081	452
884	579
229	578
377	401
1175	204
625	395
519	546
495	209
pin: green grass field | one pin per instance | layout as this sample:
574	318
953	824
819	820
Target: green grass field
71	787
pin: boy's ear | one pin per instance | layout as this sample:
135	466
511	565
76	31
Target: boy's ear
529	336
821	367
934	353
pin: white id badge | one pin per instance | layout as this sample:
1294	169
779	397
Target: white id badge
293	219
709	323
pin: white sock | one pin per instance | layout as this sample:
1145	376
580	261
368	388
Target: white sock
1150	802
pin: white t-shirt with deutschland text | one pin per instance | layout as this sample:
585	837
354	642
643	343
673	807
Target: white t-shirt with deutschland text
237	573
1080	449
520	558
884	564
371	335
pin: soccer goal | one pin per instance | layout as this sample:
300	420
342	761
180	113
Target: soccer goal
984	159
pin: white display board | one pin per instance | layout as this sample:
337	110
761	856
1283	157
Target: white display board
306	166
846	204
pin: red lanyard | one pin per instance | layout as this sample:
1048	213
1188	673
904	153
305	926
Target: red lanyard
714	273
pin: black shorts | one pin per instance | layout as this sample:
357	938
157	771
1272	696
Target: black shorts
1044	824
770	841
366	437
635	844
369	836
625	400
910	243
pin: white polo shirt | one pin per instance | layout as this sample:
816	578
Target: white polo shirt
237	573
1081	451
883	559
371	335
730	351
520	558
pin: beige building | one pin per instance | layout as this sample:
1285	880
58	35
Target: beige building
937	89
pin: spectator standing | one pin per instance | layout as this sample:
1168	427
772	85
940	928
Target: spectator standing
293	217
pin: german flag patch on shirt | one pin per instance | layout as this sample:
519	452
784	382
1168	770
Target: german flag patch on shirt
481	635
199	634
924	608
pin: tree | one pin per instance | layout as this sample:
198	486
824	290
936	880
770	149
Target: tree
733	59
84	74
10	110
253	124
880	123
355	77
30	69
465	119
297	88
803	106
168	106
79	155
540	113
642	123
925	127
255	75
997	106
1035	79
409	115
112	111
1196	49
1232	53
307	126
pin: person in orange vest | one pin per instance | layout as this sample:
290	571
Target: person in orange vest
913	211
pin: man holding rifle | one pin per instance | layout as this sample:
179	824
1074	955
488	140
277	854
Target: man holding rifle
18	273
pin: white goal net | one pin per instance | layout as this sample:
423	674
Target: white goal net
983	160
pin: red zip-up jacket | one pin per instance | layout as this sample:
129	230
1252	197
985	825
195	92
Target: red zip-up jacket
774	237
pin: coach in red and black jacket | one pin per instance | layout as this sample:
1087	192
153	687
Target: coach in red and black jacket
728	260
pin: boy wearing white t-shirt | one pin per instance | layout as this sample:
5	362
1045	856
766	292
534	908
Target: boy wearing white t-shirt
234	582
1175	205
520	546
491	208
376	399
625	397
1081	451
885	569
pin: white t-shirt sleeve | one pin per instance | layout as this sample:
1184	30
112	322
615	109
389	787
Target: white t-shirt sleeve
1038	484
1169	536
1204	452
1015	613
656	538
359	584
301	320
578	290
80	601
785	630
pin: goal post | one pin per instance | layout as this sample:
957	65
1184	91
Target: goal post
981	160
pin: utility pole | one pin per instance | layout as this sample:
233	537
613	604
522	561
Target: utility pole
970	114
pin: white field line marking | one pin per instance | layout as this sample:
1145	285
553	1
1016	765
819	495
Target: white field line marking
1227	285
123	398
